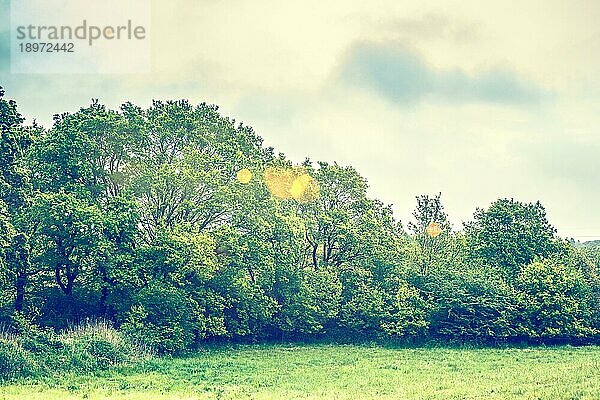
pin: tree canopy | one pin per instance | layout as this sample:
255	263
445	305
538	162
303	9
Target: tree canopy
178	226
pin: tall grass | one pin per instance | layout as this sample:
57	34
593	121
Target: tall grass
101	329
7	334
26	350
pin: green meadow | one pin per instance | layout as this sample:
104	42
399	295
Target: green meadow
336	372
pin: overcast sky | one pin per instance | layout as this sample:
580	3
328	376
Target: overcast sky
476	99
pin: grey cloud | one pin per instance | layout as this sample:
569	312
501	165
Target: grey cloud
399	75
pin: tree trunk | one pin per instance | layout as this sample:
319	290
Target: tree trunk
18	258
20	288
106	282
103	297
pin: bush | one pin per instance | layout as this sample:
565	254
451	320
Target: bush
363	308
467	304
27	349
556	302
249	311
96	346
410	314
309	302
162	319
43	344
15	362
90	354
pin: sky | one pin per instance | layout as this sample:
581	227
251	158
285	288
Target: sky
475	99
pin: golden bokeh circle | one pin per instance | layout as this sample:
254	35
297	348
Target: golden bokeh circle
433	229
244	175
291	183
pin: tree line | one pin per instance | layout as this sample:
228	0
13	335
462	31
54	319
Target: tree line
136	216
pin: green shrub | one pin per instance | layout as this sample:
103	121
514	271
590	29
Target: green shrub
15	362
162	319
28	349
410	314
309	302
556	302
91	353
249	310
468	304
363	308
96	345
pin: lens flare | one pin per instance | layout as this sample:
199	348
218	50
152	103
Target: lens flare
433	229
244	175
291	183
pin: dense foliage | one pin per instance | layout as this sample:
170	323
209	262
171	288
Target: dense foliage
31	351
136	216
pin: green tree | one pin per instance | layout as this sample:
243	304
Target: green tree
85	159
343	225
116	268
6	235
174	303
510	234
5	227
15	140
84	153
555	301
357	239
15	195
68	239
431	251
184	172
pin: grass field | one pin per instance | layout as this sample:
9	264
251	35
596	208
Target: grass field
338	372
